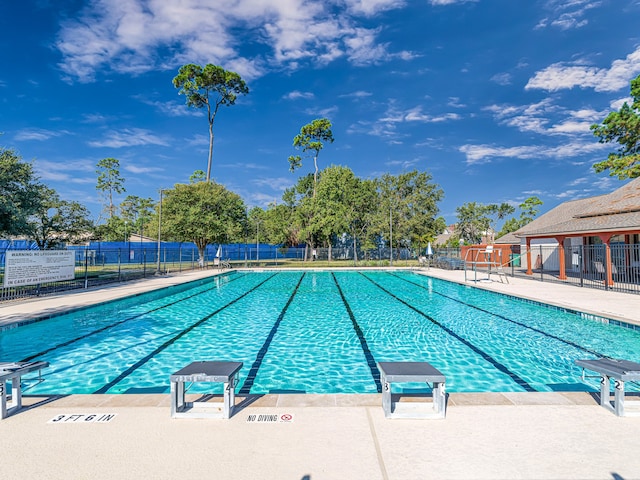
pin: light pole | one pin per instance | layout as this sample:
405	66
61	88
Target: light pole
158	272
390	236
257	243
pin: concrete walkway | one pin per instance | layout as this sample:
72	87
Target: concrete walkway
326	439
494	436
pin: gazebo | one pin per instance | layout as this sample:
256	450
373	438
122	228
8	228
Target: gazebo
612	216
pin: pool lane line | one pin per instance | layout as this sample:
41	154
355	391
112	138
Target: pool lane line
534	329
514	376
251	376
171	341
371	362
120	322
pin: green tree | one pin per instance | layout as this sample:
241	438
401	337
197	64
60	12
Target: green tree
622	127
408	206
344	205
109	182
58	221
473	222
476	220
136	212
113	229
203	213
310	140
256	225
496	213
360	214
279	224
528	211
20	193
511	225
209	87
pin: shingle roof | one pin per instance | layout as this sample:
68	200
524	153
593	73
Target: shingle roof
508	239
616	211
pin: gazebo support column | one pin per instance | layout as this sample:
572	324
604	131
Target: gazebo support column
561	258
606	238
529	269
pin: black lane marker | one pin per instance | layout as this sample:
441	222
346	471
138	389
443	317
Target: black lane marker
169	342
515	377
542	332
375	373
251	377
120	322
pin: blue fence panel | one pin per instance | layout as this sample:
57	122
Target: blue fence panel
15	245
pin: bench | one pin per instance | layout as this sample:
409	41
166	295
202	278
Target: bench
211	372
13	372
423	372
620	371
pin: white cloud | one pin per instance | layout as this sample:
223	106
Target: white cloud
95	118
455	102
567	194
578	181
357	94
129	138
170	108
448	2
387	125
617	104
372	7
415	114
277	183
38	134
128	36
537	118
244	166
479	154
503	79
296	94
137	169
68	171
322	112
198	140
567	14
560	76
403	164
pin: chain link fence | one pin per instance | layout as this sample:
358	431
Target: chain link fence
585	265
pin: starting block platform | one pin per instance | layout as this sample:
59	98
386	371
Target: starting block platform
620	371
13	372
198	372
423	372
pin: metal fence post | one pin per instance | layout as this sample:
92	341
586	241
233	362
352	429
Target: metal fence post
541	265
119	271
86	268
581	265
606	267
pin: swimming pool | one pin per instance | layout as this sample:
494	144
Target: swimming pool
316	332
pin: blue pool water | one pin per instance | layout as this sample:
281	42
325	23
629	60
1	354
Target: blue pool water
316	332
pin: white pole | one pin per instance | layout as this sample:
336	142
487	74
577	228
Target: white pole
390	236
159	230
257	237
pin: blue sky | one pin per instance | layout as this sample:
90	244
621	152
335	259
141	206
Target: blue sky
493	97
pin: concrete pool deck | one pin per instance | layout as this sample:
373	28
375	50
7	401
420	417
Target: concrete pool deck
548	435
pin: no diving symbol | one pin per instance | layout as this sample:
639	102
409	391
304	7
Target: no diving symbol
286	417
